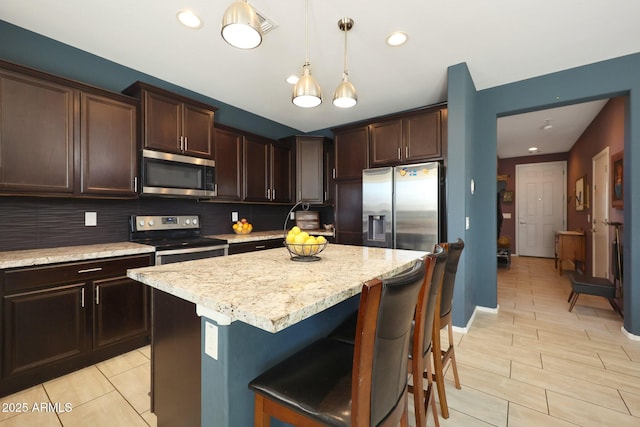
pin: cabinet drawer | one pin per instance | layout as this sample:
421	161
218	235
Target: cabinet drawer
239	248
22	279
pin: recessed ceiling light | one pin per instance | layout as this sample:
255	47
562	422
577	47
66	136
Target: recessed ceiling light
533	150
397	38
547	125
189	19
292	79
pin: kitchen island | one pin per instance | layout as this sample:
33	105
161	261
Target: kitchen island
257	308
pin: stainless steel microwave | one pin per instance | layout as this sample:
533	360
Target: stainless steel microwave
166	174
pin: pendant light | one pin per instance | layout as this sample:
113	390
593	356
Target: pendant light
306	92
345	95
241	26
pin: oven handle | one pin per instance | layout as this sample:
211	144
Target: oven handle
192	250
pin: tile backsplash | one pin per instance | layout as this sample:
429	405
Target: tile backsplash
31	222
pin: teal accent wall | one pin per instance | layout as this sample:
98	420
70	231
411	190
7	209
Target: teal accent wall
606	79
42	53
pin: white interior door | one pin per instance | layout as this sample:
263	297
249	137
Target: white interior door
541	190
600	214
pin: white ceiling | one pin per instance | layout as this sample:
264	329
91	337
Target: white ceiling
501	41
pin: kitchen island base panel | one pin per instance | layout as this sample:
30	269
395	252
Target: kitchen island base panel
244	352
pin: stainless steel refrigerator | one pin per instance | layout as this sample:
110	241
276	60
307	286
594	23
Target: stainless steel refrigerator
400	206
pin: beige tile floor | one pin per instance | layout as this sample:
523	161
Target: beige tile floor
535	364
111	393
531	364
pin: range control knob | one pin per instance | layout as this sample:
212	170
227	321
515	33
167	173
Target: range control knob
151	223
141	223
187	221
195	221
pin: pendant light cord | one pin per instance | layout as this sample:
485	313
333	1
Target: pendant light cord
306	33
345	72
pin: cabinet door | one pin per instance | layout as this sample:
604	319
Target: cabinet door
43	327
255	169
309	170
422	136
228	157
162	122
329	170
36	135
108	146
386	143
120	311
197	131
349	212
281	171
351	146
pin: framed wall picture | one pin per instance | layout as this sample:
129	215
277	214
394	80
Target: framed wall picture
507	196
617	177
580	194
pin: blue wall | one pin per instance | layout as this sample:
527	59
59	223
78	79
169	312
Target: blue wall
619	76
33	50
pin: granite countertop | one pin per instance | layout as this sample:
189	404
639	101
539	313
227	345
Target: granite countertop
267	289
265	235
31	257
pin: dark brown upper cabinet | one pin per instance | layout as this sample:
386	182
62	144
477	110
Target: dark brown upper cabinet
62	138
36	135
351	148
174	123
227	148
309	168
108	146
411	138
267	170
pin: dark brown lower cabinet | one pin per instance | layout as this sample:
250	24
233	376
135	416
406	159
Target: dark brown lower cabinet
175	361
259	245
55	319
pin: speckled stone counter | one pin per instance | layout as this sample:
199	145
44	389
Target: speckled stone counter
265	235
30	257
268	290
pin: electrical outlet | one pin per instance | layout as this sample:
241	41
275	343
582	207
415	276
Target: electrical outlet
234	216
466	223
211	340
90	219
292	216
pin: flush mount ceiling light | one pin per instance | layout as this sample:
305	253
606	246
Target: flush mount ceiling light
397	38
189	19
547	125
533	150
306	92
241	26
345	95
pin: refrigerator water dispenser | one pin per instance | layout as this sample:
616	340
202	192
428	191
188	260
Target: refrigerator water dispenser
376	228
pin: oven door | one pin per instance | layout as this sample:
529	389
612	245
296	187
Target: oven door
190	254
166	174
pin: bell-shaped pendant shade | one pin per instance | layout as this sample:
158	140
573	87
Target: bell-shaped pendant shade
307	92
241	26
345	95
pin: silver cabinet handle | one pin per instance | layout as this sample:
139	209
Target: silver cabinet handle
334	173
97	294
215	189
90	270
186	143
268	194
135	184
399	152
406	152
82	298
260	246
181	144
274	194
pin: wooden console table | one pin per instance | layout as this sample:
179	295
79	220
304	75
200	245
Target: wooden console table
570	245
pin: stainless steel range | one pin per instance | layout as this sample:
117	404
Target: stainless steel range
176	238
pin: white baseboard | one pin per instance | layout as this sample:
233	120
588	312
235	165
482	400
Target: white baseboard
465	329
629	335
